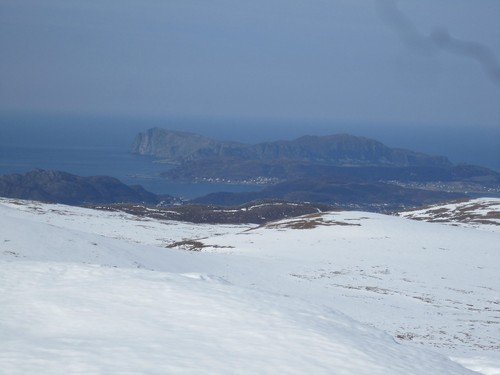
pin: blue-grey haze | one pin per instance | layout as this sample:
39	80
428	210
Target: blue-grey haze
417	74
302	60
89	147
470	145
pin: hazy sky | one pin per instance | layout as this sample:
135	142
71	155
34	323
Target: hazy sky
432	62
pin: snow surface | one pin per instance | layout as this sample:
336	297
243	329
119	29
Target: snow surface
87	291
71	318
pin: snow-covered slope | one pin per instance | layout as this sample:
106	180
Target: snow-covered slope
255	300
71	318
481	213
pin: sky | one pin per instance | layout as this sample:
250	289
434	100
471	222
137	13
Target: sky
318	63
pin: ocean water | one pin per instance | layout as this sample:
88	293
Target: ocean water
89	146
107	161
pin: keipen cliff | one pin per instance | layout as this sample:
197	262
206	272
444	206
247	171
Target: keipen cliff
340	149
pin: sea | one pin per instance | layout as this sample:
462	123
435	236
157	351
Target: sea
91	147
108	161
99	145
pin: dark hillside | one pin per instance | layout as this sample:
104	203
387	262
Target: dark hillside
62	187
370	196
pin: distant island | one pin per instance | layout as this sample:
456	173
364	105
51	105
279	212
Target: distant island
330	169
338	150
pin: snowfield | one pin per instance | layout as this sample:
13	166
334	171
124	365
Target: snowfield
70	318
93	292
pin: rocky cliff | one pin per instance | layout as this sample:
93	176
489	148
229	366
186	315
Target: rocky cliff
341	149
179	146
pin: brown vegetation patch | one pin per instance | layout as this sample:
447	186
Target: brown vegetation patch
252	213
18	203
407	336
194	245
492	215
464	212
190	245
307	224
